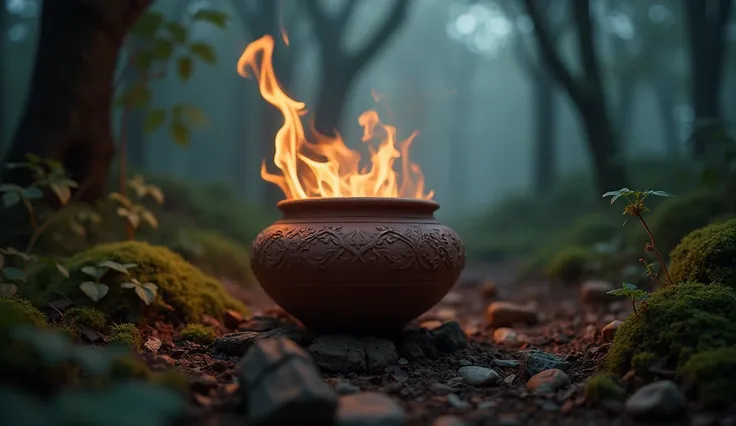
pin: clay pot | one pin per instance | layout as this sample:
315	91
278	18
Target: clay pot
357	264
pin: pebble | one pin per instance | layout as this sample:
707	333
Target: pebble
153	344
458	403
507	337
431	324
657	401
449	421
343	387
237	344
548	381
440	389
505	363
504	314
449	337
489	289
232	319
609	331
537	361
479	376
164	360
590	333
594	292
369	409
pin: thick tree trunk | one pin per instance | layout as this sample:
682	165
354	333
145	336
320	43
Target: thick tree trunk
545	131
609	169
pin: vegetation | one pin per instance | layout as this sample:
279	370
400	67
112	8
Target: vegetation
199	333
215	255
601	387
87	317
711	373
570	265
707	255
126	335
679	321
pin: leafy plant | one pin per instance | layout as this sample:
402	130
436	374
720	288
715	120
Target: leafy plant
95	289
146	291
636	207
137	213
635	294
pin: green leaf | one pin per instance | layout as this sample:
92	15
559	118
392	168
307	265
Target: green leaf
63	193
659	193
8	290
615	195
32	193
148	24
142	60
184	68
10	199
120	199
139	96
147	295
629	287
33	158
179	132
10	187
154	119
618	292
14	274
178	31
149	218
162	49
204	51
62	270
133	219
93	290
115	266
93	272
214	17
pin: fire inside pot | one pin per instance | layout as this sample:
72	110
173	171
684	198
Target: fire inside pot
326	167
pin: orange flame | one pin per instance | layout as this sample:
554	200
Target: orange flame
327	167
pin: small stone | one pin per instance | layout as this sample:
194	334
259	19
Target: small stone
153	344
339	353
505	363
439	389
344	387
220	366
369	409
590	333
403	361
594	292
458	403
548	381
379	353
609	331
237	344
489	289
163	360
479	376
507	337
417	344
449	337
537	361
431	324
505	314
657	401
232	319
510	379
487	405
449	421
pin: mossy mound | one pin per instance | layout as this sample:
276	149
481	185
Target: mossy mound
677	217
199	333
16	311
713	375
126	335
570	265
677	322
707	255
215	254
601	387
87	317
184	292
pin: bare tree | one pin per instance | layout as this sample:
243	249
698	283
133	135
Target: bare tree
585	90
341	68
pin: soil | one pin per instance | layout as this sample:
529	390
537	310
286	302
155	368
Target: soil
427	389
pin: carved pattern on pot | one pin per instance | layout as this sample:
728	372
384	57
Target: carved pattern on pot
287	248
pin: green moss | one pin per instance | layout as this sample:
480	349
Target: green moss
15	311
184	292
215	254
127	335
677	322
68	330
87	317
713	374
134	368
199	333
642	362
570	264
677	217
707	255
601	387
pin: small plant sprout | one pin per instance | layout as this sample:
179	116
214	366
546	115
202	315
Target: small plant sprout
143	189
134	214
636	207
635	294
146	291
95	289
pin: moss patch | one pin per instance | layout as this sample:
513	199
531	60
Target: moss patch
713	374
601	387
707	255
215	254
198	333
678	322
15	311
87	317
570	265
126	335
184	292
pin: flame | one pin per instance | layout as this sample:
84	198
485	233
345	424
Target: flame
326	167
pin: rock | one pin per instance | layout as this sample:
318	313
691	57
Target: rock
203	383
657	401
431	324
507	337
505	314
449	337
369	409
341	353
590	333
458	403
594	292
505	363
449	421
163	360
344	387
379	353
153	344
439	389
479	376
417	344
537	361
548	381
232	319
237	344
609	331
489	289
283	386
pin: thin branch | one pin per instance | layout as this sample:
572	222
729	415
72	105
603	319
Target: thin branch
390	25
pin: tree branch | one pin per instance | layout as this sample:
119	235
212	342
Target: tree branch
586	43
393	22
322	24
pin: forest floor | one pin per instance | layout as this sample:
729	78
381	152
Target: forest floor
429	388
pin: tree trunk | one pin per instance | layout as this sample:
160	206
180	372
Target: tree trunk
544	138
625	103
333	95
609	169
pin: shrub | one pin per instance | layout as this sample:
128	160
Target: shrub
707	255
713	374
126	335
570	264
677	322
198	333
184	292
87	317
215	254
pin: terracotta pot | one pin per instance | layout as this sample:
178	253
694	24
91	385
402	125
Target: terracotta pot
357	264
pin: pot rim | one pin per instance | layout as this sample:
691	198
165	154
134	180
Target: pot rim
358	203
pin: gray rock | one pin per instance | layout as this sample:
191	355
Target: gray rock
548	381
281	386
343	387
458	403
380	353
339	353
440	389
237	344
537	361
369	409
479	376
505	363
417	344
657	401
449	337
449	421
505	314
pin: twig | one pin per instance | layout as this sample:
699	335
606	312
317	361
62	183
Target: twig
653	248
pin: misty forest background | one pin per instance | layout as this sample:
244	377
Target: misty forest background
527	109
